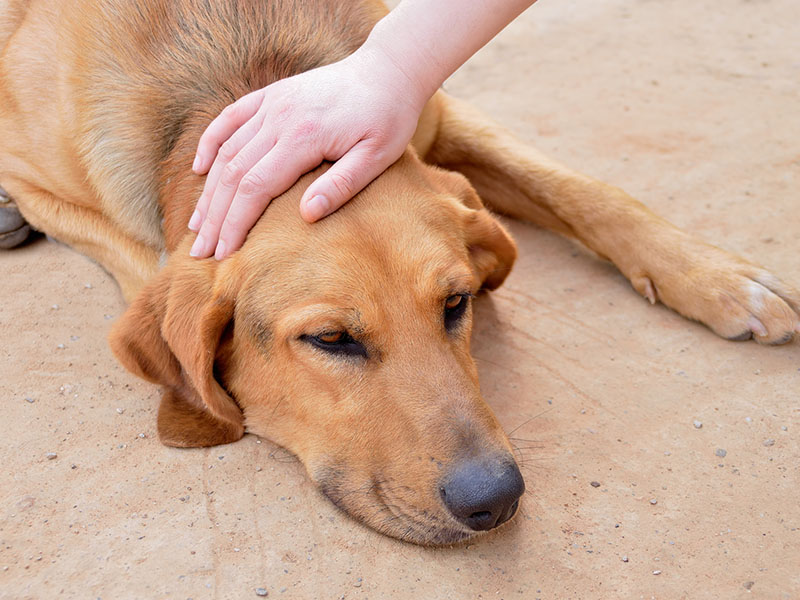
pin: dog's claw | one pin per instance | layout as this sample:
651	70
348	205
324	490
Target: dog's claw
737	299
644	285
766	314
757	327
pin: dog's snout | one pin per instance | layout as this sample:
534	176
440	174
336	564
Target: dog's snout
483	493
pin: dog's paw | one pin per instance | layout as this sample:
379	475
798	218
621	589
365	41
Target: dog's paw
737	299
13	228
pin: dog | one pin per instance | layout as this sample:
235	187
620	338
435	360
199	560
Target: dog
346	341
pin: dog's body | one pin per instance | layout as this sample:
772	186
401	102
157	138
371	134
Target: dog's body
346	341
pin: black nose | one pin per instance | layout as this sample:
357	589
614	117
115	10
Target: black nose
483	492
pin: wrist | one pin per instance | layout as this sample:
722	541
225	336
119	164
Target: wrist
392	60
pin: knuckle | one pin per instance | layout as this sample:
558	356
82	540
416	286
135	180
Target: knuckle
233	223
228	151
381	155
232	112
232	173
252	184
376	156
344	183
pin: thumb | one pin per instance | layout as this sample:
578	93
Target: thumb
348	176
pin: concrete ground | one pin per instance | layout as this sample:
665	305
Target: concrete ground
692	106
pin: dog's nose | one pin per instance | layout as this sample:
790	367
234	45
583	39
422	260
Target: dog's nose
483	493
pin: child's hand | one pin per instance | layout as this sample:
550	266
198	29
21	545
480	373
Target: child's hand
360	112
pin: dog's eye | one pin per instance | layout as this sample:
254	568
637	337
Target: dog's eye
454	308
336	342
331	338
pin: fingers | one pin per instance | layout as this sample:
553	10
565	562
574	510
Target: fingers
270	177
245	178
227	153
349	175
231	167
223	127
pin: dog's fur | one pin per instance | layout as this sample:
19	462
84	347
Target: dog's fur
101	106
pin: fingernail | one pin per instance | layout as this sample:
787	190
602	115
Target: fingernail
220	252
317	207
198	247
194	222
197	163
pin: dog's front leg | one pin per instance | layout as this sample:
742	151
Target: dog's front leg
89	231
735	298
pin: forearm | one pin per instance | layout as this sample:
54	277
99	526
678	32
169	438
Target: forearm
427	40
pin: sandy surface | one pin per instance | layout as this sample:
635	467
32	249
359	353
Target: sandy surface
692	107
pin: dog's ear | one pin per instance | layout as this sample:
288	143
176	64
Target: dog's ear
491	248
169	335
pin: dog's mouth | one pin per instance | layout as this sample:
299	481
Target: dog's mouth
395	510
417	525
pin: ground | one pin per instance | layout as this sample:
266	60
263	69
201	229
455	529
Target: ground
660	460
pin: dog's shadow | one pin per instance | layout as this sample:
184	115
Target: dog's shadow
488	349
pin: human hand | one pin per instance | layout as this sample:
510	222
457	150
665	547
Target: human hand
360	112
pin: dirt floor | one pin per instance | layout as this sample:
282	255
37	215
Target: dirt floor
691	106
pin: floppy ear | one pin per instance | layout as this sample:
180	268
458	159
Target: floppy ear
169	335
491	248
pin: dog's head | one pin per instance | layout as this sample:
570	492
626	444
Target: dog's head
347	342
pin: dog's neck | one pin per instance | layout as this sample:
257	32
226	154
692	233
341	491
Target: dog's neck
179	187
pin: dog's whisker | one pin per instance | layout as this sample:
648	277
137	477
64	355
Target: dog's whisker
536	416
524	448
518	439
526	456
493	363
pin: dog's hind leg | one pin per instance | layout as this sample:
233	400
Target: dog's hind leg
14	229
129	261
735	298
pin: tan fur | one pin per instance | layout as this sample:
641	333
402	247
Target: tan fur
101	106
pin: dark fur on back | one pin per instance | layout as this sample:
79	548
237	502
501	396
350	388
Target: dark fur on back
199	57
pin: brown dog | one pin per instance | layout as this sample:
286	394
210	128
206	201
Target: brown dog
346	341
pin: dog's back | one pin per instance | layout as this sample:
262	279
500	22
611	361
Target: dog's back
129	78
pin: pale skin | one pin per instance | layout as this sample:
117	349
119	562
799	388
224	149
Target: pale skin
359	113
